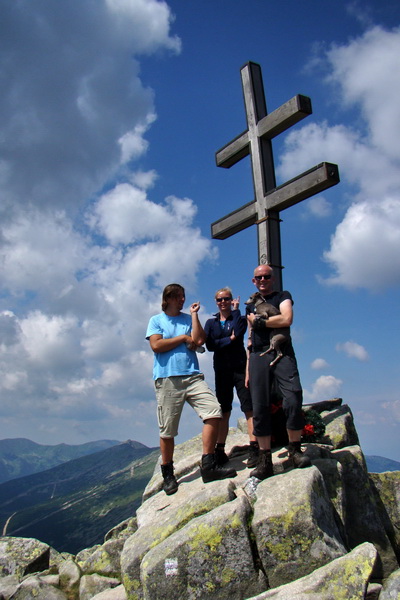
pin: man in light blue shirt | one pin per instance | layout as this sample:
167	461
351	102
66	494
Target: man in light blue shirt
174	337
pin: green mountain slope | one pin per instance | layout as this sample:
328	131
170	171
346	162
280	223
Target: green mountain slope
73	505
20	457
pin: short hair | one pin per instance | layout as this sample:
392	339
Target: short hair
171	290
224	289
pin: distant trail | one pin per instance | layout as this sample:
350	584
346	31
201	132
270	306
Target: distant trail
7	523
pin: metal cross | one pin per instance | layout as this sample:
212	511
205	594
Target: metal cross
269	199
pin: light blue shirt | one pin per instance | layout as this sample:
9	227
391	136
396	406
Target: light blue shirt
180	360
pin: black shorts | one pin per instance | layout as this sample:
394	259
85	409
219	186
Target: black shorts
226	380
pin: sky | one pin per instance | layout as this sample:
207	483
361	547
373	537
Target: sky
110	116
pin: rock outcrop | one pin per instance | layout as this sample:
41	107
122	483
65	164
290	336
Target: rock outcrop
329	531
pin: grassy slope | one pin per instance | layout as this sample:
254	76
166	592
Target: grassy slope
73	505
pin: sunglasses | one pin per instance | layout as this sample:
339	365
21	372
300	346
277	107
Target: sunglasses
260	277
226	299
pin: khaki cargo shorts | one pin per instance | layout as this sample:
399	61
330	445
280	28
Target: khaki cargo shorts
173	392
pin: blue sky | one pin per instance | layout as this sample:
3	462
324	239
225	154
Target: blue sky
110	117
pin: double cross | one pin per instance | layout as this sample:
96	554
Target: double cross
269	199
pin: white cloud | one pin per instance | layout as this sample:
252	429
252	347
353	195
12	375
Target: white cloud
144	179
149	19
366	78
324	388
132	143
72	103
392	410
358	236
353	350
86	342
319	364
77	294
319	207
366	71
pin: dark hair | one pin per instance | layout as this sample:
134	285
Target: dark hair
171	291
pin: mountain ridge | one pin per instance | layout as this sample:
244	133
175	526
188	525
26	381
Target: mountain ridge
380	464
95	492
20	457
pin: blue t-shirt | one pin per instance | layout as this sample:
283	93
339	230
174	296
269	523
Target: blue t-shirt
180	360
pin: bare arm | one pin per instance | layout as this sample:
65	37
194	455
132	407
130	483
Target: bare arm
285	319
198	333
247	377
159	344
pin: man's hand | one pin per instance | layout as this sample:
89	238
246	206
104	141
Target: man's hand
190	344
259	322
195	307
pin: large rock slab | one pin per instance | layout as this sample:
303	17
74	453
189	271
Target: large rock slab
104	560
91	585
295	525
344	578
339	427
187	457
386	488
391	587
362	519
117	593
70	575
21	556
34	588
210	558
161	516
8	586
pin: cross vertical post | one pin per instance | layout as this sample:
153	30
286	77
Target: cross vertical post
268	198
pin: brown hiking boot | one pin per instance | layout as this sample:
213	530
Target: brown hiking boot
253	455
211	471
264	466
300	460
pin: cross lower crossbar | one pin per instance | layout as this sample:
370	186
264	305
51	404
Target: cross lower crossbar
309	183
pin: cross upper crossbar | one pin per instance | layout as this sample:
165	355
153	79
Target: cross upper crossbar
269	199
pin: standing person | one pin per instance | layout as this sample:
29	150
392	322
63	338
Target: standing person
173	337
224	337
284	373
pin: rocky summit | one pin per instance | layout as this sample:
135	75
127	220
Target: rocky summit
330	531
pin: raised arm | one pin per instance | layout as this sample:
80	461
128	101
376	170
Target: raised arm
198	333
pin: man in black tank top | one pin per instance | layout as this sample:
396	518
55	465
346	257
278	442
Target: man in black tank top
284	372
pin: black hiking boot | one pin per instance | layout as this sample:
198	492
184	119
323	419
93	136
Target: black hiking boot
211	471
170	484
221	457
264	466
254	453
300	460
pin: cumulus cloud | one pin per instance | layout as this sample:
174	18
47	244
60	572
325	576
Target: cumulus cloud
392	410
353	350
365	78
324	388
73	107
319	364
319	207
82	271
361	230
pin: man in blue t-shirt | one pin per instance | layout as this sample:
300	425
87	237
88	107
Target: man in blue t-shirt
173	337
261	374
